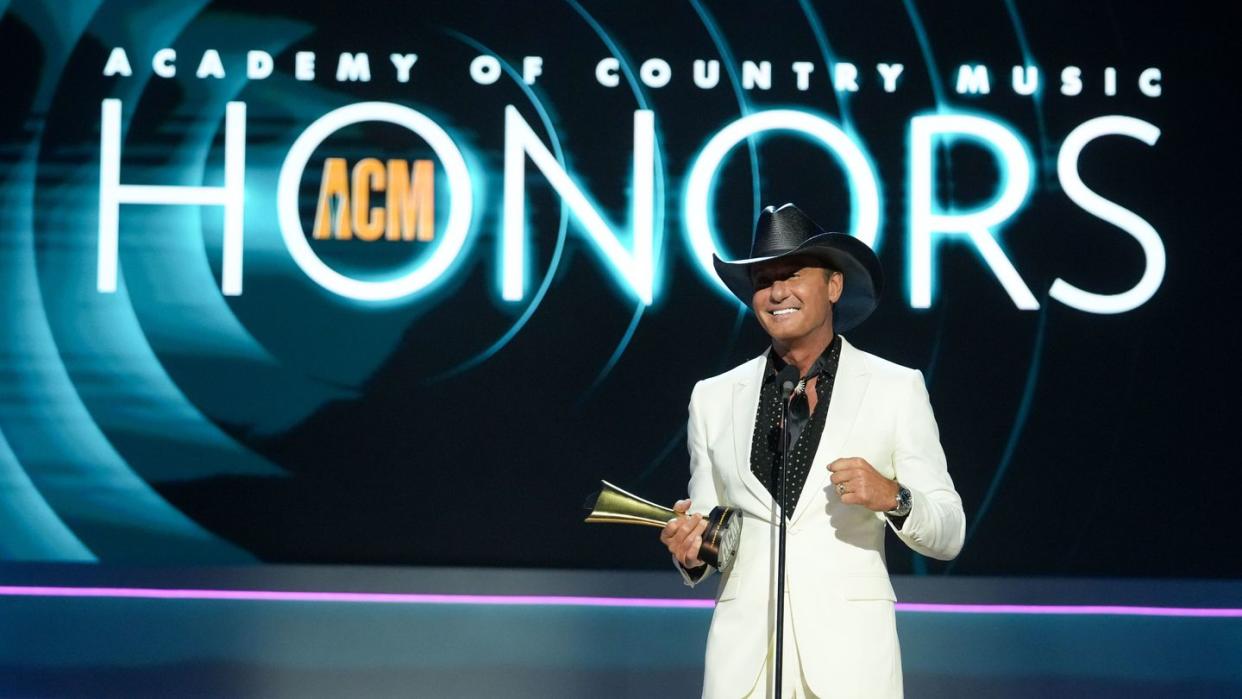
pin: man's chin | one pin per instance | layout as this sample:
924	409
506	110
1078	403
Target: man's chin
786	335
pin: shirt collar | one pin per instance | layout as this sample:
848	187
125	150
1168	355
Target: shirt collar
826	363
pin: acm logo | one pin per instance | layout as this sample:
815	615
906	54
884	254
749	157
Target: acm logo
344	211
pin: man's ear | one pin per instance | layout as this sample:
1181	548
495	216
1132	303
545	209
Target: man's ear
836	286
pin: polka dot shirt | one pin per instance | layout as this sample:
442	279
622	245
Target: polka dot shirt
805	430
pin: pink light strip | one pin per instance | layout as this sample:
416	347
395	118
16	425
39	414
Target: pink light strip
575	601
350	597
1069	609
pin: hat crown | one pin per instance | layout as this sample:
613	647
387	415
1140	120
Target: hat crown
780	230
784	232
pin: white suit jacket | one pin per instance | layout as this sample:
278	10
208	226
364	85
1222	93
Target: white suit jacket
839	596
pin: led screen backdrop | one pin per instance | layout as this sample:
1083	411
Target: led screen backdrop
398	283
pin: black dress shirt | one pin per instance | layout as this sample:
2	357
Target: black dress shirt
805	428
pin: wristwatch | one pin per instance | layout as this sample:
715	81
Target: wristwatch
903	502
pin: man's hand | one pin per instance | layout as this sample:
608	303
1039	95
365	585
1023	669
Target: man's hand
858	483
684	535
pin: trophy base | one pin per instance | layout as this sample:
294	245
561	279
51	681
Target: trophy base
721	538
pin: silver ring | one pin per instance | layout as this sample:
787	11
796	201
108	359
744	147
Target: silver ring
840	489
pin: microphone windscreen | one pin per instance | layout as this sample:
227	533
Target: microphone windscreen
787	378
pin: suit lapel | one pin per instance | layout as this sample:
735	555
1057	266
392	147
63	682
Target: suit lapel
745	406
847	394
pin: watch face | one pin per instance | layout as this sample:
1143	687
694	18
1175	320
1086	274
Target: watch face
902	508
903	500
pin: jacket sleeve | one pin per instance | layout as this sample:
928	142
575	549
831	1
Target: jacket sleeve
703	491
936	525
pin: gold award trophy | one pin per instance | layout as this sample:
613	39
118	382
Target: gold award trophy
720	540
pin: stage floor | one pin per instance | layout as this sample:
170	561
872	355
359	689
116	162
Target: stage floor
268	631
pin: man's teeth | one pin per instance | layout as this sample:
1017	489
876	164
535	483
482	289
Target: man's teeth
784	311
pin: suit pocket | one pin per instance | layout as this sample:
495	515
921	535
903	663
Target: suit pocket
730	587
869	587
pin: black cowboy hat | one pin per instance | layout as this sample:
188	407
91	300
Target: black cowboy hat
786	231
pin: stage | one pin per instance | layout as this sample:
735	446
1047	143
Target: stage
333	632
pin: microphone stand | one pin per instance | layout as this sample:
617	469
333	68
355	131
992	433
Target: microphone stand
787	389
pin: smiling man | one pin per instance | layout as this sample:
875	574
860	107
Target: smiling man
864	453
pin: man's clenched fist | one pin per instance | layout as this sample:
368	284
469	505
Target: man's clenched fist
858	483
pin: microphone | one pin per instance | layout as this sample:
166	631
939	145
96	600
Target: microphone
787	379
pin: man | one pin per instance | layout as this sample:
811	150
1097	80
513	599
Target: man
864	453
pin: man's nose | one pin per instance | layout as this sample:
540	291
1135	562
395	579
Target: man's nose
779	291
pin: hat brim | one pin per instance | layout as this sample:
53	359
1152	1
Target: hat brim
864	279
